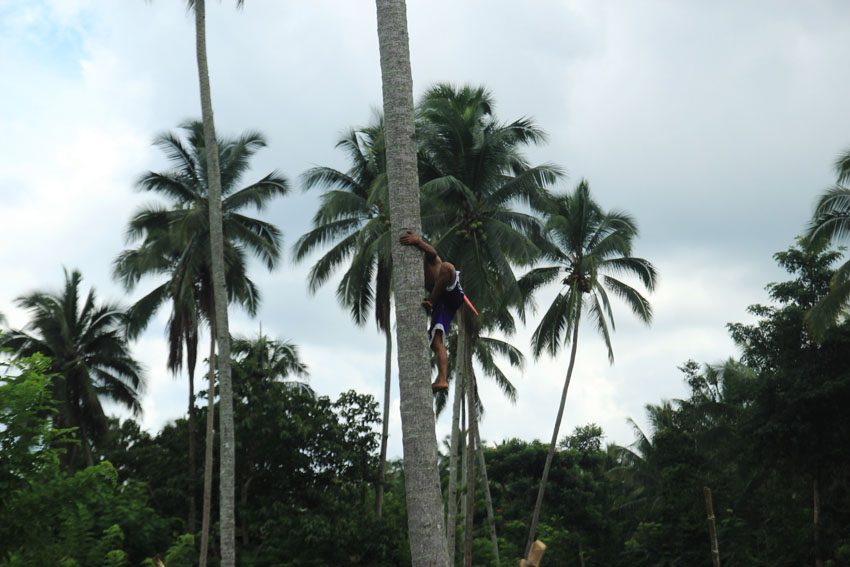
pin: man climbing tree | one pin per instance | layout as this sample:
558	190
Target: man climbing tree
442	281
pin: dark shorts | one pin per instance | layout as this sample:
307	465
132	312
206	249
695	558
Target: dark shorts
444	312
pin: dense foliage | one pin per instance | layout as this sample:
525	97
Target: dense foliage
766	433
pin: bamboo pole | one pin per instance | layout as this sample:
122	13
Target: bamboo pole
535	555
712	528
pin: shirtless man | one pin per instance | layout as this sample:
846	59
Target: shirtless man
442	280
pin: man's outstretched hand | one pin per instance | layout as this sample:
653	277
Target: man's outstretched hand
410	238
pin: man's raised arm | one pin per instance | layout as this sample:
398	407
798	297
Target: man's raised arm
412	239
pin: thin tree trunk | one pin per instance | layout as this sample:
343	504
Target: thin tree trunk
84	441
227	457
190	525
388	370
70	458
422	479
535	518
451	505
464	461
243	504
488	498
208	453
471	402
712	527
816	520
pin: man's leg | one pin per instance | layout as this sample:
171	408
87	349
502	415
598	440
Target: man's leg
439	348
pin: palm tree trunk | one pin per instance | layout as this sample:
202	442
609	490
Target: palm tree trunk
535	518
488	498
451	521
471	402
422	479
388	368
208	453
243	504
84	441
190	525
464	461
816	520
227	457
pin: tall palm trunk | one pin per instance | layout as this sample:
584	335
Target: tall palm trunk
227	455
190	524
464	461
816	520
471	401
388	368
451	505
535	518
488	498
422	479
84	441
208	453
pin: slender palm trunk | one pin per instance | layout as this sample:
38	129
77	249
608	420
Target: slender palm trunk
243	504
471	402
451	505
464	461
535	518
816	520
388	368
84	441
227	456
488	498
422	479
190	524
208	453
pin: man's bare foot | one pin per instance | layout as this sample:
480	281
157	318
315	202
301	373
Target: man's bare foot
439	386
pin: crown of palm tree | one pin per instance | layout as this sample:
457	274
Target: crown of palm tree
478	189
354	215
831	223
276	359
589	247
88	349
485	351
175	239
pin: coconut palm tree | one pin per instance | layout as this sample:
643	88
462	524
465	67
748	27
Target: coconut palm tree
637	465
354	214
260	363
160	254
175	242
476	183
89	355
422	481
589	247
274	359
831	223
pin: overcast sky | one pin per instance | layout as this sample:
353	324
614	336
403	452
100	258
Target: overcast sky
714	123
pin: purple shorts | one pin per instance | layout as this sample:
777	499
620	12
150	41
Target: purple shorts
444	311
